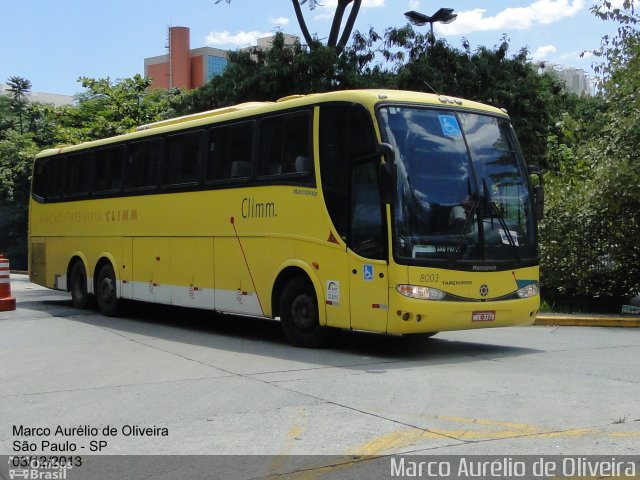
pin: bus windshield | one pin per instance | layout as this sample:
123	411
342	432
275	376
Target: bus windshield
462	191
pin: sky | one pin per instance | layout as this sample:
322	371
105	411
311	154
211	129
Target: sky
54	42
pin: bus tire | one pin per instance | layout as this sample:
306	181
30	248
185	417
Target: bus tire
106	291
299	314
78	285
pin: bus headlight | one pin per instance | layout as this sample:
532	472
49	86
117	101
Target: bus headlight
528	291
423	293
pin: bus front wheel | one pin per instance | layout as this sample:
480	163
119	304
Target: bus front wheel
299	314
106	292
78	285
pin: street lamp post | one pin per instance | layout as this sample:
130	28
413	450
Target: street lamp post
443	15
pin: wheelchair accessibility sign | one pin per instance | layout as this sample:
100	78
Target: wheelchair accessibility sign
449	125
367	272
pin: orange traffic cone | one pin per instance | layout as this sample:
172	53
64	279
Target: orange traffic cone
7	302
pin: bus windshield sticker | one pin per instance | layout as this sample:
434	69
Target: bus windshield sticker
449	125
505	237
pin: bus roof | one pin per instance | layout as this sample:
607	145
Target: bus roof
368	98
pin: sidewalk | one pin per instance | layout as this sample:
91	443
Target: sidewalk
582	320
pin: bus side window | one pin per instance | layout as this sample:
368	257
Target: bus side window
78	167
40	172
108	167
230	152
285	145
143	161
297	144
241	149
218	158
182	163
271	146
56	176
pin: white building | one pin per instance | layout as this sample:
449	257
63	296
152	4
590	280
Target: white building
575	80
41	97
267	42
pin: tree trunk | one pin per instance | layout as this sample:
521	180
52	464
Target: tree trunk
346	34
337	22
302	23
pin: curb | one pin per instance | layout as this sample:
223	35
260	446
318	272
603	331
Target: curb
587	321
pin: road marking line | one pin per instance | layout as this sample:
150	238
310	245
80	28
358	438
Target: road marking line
392	441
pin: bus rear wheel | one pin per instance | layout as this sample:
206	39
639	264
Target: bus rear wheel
78	285
299	314
106	292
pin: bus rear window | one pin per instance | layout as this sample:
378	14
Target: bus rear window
41	171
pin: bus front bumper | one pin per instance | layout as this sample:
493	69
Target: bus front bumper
408	315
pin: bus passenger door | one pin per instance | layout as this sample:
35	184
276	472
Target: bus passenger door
368	286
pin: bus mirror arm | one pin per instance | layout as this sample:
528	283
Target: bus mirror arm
387	152
538	190
387	174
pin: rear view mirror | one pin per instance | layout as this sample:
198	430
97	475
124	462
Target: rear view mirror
538	191
387	152
387	174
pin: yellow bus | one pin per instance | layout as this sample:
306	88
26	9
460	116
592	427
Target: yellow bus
377	210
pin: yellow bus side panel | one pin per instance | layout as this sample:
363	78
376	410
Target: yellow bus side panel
152	269
192	272
234	286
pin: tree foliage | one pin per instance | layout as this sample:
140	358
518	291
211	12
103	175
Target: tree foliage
485	75
116	107
105	108
19	87
267	75
16	156
591	236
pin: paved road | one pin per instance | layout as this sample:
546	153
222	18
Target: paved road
171	381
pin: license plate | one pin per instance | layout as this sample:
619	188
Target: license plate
487	316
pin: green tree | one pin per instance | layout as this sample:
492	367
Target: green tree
282	70
534	102
109	107
7	117
19	87
106	108
16	156
591	234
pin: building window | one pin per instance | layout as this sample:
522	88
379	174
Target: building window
215	66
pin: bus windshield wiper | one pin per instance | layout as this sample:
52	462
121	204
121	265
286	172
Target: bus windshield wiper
494	209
